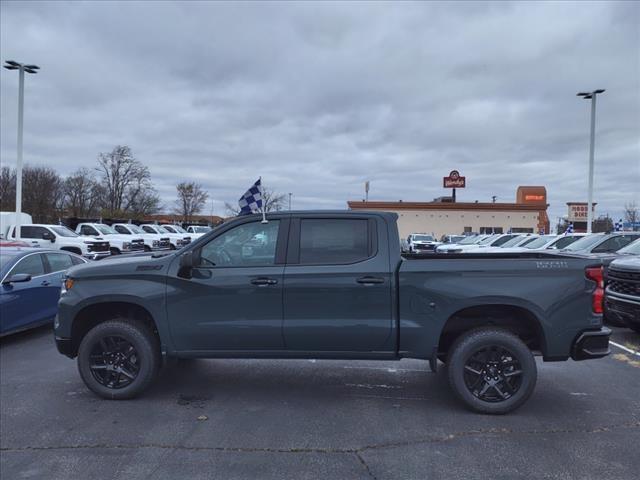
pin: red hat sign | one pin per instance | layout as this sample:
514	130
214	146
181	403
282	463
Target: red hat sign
454	180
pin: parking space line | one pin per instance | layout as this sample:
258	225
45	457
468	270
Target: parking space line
626	349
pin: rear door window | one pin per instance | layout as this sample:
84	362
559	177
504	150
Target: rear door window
59	262
334	241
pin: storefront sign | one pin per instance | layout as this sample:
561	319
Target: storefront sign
454	180
578	212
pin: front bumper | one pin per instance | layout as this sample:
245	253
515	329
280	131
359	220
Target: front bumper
64	346
96	255
591	344
625	310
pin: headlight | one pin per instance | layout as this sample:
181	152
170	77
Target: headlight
155	243
67	284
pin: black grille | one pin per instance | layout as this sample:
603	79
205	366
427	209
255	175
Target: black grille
98	247
626	283
137	245
424	247
164	243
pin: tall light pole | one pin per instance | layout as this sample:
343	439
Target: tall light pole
289	200
12	65
592	97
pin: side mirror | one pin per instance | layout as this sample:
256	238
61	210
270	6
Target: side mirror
48	236
186	265
17	278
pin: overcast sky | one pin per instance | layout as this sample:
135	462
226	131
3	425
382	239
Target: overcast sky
319	97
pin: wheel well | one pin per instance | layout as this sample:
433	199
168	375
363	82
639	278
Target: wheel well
517	320
95	314
75	250
114	249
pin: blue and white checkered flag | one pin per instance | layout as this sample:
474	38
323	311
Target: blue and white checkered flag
618	226
251	201
569	228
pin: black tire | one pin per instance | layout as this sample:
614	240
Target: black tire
172	246
491	370
147	248
114	251
118	377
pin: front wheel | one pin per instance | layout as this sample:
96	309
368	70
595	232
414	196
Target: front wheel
491	370
118	359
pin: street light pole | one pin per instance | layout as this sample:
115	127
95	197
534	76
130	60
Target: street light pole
11	65
289	200
592	142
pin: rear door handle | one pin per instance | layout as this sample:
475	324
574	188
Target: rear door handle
370	280
45	283
263	282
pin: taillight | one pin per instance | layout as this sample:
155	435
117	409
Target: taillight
597	297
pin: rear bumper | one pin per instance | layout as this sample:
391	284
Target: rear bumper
625	310
591	344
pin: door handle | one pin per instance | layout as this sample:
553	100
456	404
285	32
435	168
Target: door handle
45	283
370	280
263	282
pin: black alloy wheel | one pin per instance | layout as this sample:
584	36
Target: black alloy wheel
114	362
493	374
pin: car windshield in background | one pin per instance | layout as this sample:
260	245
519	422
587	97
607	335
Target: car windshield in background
201	229
158	228
469	240
64	232
6	257
510	243
565	241
631	249
136	229
584	242
540	241
178	229
106	229
487	240
423	238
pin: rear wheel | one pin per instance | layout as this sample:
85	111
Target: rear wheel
491	370
118	359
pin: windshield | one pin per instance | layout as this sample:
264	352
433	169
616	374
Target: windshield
135	229
106	229
64	232
201	229
423	238
7	257
514	241
487	240
178	229
160	229
631	249
540	241
470	240
583	243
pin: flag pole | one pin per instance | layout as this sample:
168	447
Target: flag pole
264	203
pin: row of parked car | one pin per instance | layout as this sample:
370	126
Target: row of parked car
513	243
32	268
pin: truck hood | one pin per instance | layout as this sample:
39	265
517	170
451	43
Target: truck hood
117	238
122	265
624	262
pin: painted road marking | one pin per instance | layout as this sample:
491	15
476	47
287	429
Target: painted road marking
626	349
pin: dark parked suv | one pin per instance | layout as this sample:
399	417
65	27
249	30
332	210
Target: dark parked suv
622	297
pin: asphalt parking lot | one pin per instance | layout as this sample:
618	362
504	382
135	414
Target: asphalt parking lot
304	419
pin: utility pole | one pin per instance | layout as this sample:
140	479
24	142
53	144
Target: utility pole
12	65
592	97
366	191
289	201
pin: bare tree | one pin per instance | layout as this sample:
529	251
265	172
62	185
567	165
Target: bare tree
191	199
42	194
272	202
7	189
127	182
82	194
142	199
631	213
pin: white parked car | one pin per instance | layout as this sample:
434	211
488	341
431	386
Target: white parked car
119	243
516	244
421	243
489	241
179	230
548	242
59	237
198	229
178	240
152	241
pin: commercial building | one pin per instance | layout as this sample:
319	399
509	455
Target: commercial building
528	214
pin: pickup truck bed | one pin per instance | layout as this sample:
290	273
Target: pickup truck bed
333	285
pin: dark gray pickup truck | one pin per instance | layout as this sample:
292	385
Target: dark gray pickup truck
332	285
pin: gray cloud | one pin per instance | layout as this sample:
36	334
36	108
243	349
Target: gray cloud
318	97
